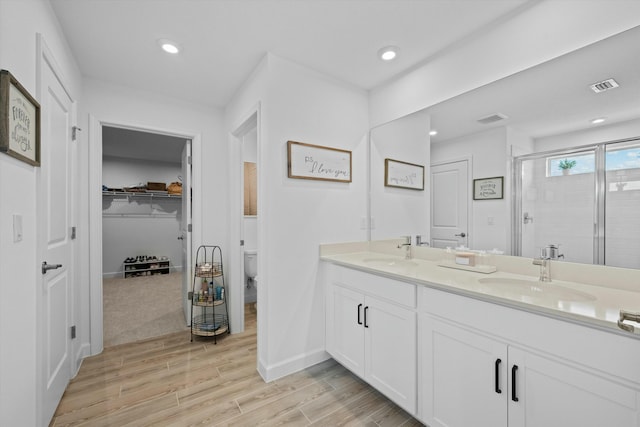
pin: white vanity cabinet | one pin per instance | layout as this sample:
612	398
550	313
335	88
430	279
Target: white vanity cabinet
486	365
463	376
371	330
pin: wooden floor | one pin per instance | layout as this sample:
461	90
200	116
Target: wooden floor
170	381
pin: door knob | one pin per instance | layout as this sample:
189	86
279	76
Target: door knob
461	234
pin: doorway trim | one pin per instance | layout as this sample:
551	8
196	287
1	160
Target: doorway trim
248	122
95	210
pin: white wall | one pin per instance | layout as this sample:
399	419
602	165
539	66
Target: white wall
504	49
119	105
399	212
301	214
19	275
294	215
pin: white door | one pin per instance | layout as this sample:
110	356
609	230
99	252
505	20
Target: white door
56	246
390	351
185	229
449	204
464	377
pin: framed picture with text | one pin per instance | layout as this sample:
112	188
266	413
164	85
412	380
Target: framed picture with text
488	188
308	161
19	121
403	175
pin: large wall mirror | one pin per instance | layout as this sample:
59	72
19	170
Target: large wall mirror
523	128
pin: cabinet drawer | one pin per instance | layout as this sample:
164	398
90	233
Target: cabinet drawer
382	287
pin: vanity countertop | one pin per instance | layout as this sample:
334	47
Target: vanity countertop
591	305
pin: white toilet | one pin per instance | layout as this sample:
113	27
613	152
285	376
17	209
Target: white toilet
251	265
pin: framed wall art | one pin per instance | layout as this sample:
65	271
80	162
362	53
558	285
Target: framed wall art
403	175
488	188
19	121
308	161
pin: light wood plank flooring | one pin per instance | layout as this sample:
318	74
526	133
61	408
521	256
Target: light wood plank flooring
170	381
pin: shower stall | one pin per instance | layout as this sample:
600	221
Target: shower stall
585	201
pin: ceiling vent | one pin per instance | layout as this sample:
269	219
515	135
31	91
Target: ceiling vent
604	85
492	118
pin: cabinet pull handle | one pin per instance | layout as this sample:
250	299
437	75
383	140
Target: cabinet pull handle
497	368
366	309
359	320
514	394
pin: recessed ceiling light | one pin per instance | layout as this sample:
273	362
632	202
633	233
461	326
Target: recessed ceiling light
598	120
388	53
169	46
433	132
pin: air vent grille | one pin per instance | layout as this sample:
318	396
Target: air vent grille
492	118
604	85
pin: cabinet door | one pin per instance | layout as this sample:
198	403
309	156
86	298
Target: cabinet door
463	377
390	351
346	312
553	394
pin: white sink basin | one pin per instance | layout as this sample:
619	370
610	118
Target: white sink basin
533	290
399	265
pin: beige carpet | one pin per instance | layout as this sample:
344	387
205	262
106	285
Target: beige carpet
142	307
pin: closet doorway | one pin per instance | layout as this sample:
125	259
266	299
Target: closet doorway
142	222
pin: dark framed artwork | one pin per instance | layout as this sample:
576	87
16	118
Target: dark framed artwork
488	188
19	121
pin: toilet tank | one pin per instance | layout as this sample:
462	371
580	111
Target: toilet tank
251	262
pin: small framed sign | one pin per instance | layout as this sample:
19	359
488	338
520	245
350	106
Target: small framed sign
403	175
488	188
19	121
308	161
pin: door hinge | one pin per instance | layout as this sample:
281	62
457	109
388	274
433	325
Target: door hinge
189	227
241	242
74	132
73	233
189	160
73	332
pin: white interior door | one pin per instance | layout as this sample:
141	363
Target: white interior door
56	246
185	229
449	204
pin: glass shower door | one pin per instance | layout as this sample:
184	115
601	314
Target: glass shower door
622	204
556	205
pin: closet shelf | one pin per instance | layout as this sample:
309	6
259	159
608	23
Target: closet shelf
141	194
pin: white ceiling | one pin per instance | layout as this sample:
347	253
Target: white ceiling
554	97
224	40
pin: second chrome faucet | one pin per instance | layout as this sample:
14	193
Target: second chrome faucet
407	246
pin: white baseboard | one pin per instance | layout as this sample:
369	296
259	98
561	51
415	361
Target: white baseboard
83	351
292	365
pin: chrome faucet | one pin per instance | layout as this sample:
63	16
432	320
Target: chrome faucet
545	267
551	252
419	241
407	246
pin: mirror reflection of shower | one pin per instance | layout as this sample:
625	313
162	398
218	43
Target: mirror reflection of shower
584	202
